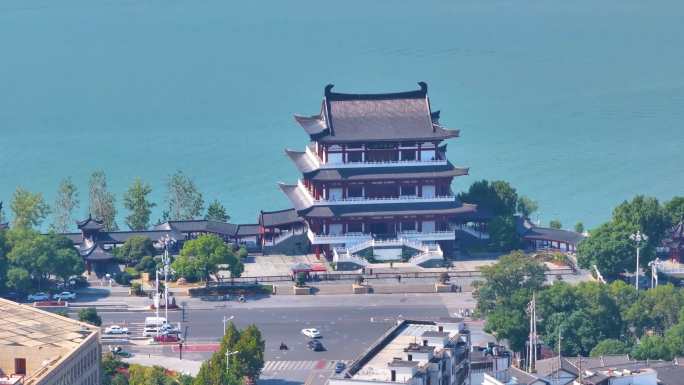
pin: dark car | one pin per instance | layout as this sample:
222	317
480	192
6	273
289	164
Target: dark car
315	345
339	367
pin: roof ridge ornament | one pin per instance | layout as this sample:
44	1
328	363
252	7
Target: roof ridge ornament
415	94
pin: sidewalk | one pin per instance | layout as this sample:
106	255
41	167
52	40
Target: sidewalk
173	363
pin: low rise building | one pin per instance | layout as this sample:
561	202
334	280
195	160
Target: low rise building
413	353
41	348
603	370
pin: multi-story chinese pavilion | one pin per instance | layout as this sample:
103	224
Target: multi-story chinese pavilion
375	174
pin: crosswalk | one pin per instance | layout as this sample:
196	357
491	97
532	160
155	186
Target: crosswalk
277	366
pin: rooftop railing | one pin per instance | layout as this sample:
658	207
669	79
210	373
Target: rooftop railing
369	200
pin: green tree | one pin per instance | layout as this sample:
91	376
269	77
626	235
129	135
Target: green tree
656	309
18	279
555	224
134	249
674	209
509	321
502	234
4	263
512	272
136	201
645	214
497	196
527	206
148	264
214	371
585	314
206	253
609	248
2	214
102	201
249	359
65	204
184	200
119	379
148	375
625	295
29	209
579	227
216	212
610	347
652	348
65	261
89	315
42	255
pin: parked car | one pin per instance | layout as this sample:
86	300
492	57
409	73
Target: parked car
166	338
339	367
65	295
315	345
38	297
116	329
311	333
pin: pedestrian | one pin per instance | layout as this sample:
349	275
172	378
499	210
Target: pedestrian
398	278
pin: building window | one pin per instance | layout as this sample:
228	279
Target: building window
335	157
354	157
355	191
355	227
335	194
408	155
408	226
408	190
20	366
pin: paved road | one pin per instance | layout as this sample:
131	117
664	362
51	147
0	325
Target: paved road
349	323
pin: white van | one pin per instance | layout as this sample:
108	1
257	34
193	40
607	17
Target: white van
152	326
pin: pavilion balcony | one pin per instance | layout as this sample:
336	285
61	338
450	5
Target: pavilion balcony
316	162
379	200
333	239
356	239
428	235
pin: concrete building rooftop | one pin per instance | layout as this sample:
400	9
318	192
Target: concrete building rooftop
23	325
40	338
391	351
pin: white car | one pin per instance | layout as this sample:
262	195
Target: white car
116	329
311	333
38	297
64	295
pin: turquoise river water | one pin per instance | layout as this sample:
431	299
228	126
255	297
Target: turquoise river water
579	104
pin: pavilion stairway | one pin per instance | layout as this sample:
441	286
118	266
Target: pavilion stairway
293	244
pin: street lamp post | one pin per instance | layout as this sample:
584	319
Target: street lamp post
166	260
654	272
637	237
228	354
226	319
